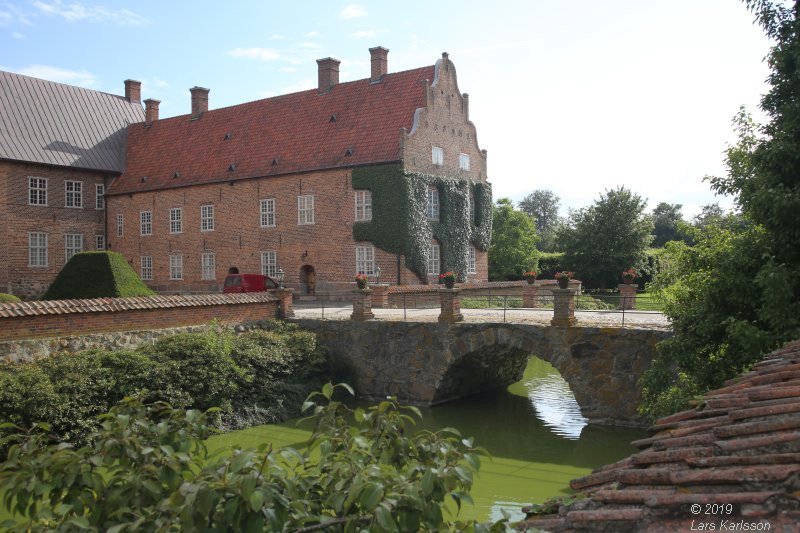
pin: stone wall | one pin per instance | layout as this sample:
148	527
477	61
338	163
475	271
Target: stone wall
420	296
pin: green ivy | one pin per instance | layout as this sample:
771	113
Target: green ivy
401	226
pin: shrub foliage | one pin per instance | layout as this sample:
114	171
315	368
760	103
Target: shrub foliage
96	275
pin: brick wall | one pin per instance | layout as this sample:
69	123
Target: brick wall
77	317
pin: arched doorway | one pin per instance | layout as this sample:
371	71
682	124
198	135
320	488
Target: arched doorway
308	280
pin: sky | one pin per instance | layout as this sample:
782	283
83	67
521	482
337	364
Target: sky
577	97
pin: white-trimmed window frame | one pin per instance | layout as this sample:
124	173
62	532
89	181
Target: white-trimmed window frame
267	217
73	244
305	210
99	196
146	267
463	161
120	224
37	249
207	217
208	266
73	198
472	267
175	220
437	155
269	263
37	191
365	259
363	205
471	206
145	223
175	267
432	204
434	259
99	242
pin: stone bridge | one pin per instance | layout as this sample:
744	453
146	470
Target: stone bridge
428	363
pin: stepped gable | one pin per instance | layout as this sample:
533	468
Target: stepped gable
736	456
354	123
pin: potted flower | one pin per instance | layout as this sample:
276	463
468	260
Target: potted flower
629	275
563	278
362	281
530	276
448	278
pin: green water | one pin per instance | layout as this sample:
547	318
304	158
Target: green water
534	430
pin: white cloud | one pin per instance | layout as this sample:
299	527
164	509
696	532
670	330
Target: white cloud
278	37
287	69
76	12
312	34
12	15
262	54
302	85
17	35
80	78
309	44
352	11
362	34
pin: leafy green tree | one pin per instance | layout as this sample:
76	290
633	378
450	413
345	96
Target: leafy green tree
667	219
607	237
542	205
513	249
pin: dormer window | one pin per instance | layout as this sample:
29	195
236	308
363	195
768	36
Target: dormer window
437	156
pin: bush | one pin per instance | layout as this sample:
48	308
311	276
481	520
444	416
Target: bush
550	263
8	298
96	275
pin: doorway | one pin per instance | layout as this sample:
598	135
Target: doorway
308	280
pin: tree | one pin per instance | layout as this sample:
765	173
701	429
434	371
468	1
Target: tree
607	237
542	205
710	214
513	249
666	223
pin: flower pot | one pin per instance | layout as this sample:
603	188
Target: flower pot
563	283
627	281
449	283
362	285
530	281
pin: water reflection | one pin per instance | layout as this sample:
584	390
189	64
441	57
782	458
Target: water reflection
553	401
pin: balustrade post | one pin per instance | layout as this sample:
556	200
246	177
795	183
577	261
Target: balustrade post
564	308
530	296
627	296
450	306
362	305
380	295
284	296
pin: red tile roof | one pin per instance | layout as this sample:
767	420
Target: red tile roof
739	448
285	134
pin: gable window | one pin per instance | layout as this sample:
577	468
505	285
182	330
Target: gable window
437	156
146	223
206	218
99	196
471	261
176	220
305	209
363	206
268	213
365	260
432	206
99	242
269	263
37	249
119	224
434	261
37	191
73	191
463	161
208	265
73	244
146	263
175	267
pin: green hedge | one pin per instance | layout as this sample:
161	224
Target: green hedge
550	263
8	298
96	275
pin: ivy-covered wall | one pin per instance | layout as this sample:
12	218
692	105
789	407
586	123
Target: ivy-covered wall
400	224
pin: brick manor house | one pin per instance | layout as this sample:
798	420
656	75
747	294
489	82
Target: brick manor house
260	186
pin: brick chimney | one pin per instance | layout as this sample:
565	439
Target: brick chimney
151	110
133	91
199	100
328	74
380	64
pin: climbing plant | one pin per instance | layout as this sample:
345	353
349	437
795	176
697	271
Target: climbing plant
401	226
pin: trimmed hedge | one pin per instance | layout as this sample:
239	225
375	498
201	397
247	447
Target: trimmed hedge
96	275
8	298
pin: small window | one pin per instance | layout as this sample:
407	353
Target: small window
365	260
37	191
471	201
208	266
434	261
37	249
437	156
147	267
433	203
206	218
305	209
73	194
146	223
268	213
363	206
176	220
269	263
463	161
471	269
119	224
99	242
73	244
99	196
175	267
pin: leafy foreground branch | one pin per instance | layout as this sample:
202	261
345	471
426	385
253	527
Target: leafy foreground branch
148	469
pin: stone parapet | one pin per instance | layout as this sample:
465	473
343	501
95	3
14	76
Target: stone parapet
450	305
380	295
627	295
563	308
284	296
530	296
362	305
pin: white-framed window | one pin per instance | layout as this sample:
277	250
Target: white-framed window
176	220
146	223
206	218
267	212
37	249
305	209
208	265
365	259
432	206
73	244
463	161
437	156
434	260
99	196
363	206
120	224
73	194
146	263
269	263
99	242
471	268
471	200
175	266
37	191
